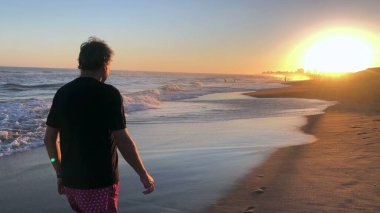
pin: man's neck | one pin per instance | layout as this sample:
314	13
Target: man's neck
91	74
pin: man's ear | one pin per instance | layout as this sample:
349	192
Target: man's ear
105	66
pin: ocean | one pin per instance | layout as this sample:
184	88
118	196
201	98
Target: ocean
197	133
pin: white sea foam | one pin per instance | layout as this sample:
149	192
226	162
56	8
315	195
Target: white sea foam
22	125
144	100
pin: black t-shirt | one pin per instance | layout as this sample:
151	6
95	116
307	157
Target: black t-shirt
86	112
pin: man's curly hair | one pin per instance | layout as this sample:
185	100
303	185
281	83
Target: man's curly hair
94	54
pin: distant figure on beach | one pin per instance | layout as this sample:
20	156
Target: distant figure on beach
88	117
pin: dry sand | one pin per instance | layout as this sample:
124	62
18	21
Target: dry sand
340	172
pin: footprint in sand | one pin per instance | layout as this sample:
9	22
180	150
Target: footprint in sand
370	143
260	190
350	183
362	133
249	209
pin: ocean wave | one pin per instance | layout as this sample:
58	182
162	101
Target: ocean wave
144	100
197	84
22	87
22	121
22	125
172	87
151	99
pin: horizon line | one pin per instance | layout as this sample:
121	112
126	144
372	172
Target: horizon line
124	70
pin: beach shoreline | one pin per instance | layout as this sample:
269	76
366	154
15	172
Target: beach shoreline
336	173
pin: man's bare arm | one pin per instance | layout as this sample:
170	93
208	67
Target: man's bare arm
130	153
54	152
52	147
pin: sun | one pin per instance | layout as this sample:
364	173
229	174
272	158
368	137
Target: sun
338	53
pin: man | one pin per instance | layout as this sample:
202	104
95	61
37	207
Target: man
88	116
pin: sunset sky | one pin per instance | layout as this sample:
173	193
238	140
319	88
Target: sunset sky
219	36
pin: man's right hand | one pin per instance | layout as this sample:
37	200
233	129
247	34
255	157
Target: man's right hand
128	149
148	183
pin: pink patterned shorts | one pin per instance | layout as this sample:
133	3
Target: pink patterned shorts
93	200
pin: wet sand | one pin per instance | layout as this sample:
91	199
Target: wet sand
340	172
